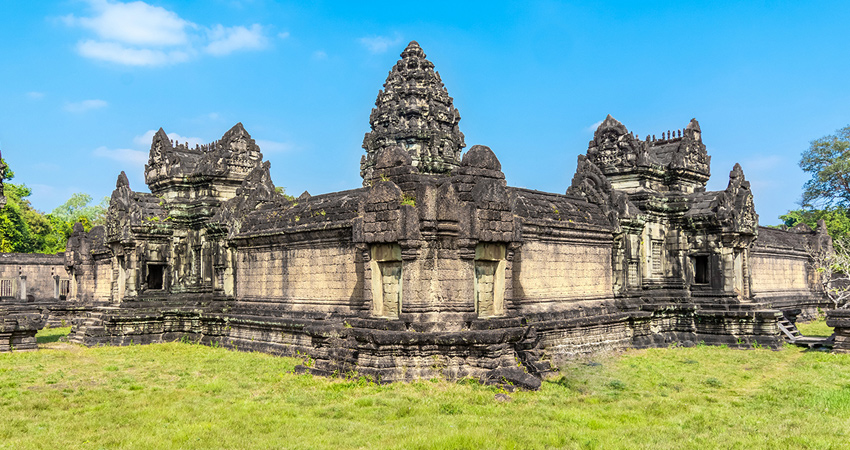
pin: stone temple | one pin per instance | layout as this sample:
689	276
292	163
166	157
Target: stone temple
436	266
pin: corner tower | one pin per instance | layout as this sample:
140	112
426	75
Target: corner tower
415	112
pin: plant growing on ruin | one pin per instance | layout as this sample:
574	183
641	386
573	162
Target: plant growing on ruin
833	269
408	200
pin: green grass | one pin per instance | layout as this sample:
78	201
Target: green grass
815	328
179	395
48	335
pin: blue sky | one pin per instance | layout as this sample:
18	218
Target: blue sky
85	83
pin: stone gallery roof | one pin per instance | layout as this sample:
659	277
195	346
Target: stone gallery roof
784	239
414	111
306	213
558	210
801	238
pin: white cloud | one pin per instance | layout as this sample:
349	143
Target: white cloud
135	23
123	155
380	44
273	146
145	140
139	34
117	53
226	40
35	95
593	127
85	105
319	55
138	158
283	35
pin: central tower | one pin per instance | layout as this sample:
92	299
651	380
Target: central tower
415	112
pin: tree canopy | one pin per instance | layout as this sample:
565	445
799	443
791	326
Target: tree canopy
826	195
836	218
828	161
23	229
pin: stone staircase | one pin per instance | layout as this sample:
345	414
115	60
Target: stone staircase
91	325
793	336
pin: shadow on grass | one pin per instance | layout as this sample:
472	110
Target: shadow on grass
48	335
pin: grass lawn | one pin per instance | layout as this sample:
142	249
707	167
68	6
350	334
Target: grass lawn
179	395
815	328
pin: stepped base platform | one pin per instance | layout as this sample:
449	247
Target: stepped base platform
458	345
19	323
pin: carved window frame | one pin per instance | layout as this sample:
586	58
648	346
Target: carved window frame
488	253
656	257
64	288
8	287
162	278
382	257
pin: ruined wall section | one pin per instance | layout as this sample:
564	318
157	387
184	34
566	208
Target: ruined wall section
782	273
566	252
34	272
300	256
88	261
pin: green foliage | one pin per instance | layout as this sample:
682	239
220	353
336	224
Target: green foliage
837	219
78	208
282	191
815	328
828	161
408	200
23	229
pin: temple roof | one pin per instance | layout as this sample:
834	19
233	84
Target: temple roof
414	111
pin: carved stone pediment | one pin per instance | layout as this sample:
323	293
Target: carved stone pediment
614	147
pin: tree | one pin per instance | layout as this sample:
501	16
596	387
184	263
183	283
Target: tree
834	270
23	229
828	161
63	217
15	233
837	219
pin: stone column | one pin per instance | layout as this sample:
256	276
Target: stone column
23	289
56	287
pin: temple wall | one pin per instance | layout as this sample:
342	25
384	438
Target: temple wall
39	270
103	280
302	278
439	279
779	267
774	272
548	272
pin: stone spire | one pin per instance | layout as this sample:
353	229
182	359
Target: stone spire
416	113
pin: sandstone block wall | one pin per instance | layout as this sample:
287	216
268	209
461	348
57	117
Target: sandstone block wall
316	278
103	280
557	272
438	280
774	273
39	270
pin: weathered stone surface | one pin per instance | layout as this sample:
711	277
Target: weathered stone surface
436	267
19	322
414	112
